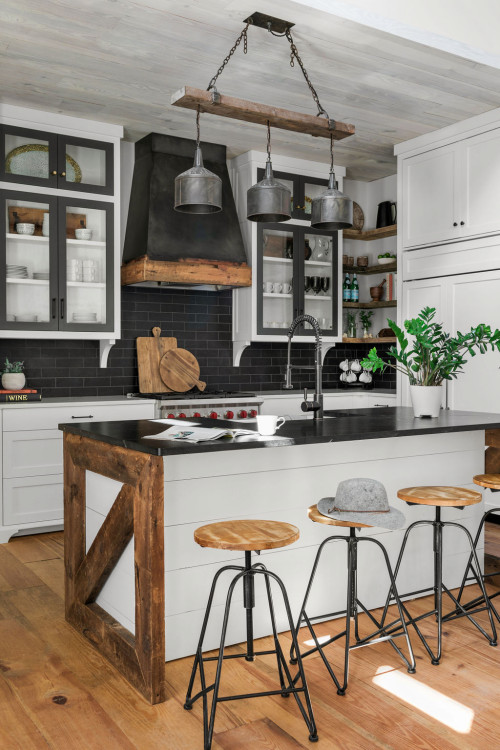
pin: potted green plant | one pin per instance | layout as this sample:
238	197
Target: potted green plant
13	377
365	316
431	356
351	325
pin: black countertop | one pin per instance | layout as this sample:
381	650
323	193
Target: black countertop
344	425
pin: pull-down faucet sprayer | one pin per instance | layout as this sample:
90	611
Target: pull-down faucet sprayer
316	405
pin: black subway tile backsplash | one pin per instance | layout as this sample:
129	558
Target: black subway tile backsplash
201	322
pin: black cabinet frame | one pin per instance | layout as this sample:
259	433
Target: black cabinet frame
298	191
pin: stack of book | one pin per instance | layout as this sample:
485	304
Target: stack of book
20	396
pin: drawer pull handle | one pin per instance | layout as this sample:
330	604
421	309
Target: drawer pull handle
385	405
84	416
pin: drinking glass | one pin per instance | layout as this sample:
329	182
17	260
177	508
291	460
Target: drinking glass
325	284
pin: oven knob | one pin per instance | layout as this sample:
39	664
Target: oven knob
229	414
213	415
170	416
253	412
243	414
197	414
182	415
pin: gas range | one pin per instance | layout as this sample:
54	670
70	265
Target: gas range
213	404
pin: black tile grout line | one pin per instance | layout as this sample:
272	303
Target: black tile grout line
201	322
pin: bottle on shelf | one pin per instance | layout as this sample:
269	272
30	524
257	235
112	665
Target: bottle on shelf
346	289
354	289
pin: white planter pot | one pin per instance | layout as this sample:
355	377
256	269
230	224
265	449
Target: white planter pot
13	381
426	400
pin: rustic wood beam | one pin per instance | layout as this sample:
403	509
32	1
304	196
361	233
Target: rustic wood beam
192	271
241	109
106	549
139	508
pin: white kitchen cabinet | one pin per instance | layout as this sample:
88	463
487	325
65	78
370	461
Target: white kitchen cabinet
31	496
462	301
449	193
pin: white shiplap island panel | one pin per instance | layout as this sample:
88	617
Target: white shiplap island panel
280	485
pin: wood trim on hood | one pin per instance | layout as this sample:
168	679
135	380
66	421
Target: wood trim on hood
186	271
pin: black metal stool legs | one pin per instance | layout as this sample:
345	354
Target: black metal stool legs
438	588
288	686
479	599
353	606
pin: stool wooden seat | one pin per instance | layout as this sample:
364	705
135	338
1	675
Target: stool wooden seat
246	535
318	517
436	495
492	481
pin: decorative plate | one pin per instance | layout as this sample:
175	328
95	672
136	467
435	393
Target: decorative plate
358	217
32	160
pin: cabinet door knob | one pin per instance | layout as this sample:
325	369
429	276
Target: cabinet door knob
462	223
54	172
455	224
63	174
300	208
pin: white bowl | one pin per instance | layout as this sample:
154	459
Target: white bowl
25	228
83	234
385	261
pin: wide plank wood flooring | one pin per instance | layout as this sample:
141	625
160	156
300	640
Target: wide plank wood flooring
57	692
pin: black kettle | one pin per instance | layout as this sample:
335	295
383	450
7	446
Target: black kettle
386	214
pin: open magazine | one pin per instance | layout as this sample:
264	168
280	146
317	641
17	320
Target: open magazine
194	434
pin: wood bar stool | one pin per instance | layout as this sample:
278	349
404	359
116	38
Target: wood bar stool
442	497
247	536
353	605
492	482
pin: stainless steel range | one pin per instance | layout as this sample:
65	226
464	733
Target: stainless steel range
213	404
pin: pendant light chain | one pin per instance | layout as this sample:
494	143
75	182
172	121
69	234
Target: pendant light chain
231	52
294	55
331	153
197	126
268	141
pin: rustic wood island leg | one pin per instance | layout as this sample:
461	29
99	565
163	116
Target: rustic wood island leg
138	510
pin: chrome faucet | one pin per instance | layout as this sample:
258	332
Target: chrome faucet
316	405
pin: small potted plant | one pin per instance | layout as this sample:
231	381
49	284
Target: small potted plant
431	357
351	325
13	378
366	321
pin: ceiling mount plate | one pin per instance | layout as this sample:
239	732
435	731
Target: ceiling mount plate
269	22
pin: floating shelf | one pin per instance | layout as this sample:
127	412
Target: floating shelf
370	234
380	340
366	270
364	305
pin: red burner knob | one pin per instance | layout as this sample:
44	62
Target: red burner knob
182	414
197	414
170	416
243	414
213	415
253	412
229	414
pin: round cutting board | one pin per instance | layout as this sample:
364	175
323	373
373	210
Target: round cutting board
180	371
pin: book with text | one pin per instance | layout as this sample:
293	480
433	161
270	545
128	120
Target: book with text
19	398
194	434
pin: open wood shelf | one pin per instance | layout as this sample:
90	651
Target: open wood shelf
370	234
360	270
364	305
374	340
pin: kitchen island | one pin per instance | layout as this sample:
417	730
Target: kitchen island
136	582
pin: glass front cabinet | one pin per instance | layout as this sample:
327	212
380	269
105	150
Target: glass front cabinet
56	263
297	273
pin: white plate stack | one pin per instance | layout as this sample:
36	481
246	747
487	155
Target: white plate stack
41	275
17	272
84	317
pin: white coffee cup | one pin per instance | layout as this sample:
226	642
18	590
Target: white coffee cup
277	287
286	288
268	286
267	424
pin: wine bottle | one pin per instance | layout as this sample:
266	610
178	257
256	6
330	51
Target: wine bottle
354	289
346	289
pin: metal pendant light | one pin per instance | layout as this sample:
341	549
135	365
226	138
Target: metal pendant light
269	199
198	191
331	210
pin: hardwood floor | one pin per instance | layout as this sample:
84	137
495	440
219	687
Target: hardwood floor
57	692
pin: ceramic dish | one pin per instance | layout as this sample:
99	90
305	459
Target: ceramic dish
25	228
385	261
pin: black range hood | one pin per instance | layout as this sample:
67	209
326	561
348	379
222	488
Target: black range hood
166	248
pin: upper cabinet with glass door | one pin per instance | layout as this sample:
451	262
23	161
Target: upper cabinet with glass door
38	158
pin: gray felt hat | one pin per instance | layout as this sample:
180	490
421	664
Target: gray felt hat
362	501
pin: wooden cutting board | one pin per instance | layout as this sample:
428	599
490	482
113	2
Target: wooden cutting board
180	371
150	350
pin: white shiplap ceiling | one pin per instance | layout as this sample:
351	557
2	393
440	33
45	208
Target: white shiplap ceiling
119	61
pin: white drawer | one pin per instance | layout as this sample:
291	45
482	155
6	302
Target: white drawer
32	499
366	401
32	453
49	417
